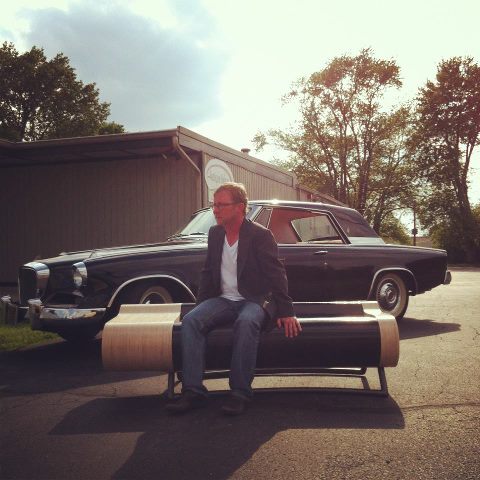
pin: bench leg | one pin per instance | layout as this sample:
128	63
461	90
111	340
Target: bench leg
383	381
383	391
171	385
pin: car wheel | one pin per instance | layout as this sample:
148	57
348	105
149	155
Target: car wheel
79	334
155	295
145	294
392	295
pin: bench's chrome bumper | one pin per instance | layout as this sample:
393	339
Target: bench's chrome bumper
50	318
10	312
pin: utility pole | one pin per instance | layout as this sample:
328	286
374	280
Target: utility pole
414	229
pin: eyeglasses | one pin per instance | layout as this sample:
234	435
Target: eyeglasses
223	205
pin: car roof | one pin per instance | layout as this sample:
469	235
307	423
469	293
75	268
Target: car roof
350	212
300	204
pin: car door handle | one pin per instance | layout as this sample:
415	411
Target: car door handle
321	252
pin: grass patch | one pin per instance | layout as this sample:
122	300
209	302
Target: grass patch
21	335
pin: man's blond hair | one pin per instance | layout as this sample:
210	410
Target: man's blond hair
237	191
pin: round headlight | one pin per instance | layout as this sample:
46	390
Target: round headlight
79	274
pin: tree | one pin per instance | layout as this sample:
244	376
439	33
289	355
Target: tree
392	231
42	99
110	128
392	181
345	143
447	132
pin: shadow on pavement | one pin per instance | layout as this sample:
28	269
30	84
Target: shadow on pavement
206	444
464	268
58	366
413	328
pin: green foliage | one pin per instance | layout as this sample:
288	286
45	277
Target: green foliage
42	99
380	160
110	128
13	337
392	231
446	133
449	232
346	143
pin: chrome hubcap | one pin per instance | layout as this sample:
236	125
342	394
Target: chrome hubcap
153	298
388	296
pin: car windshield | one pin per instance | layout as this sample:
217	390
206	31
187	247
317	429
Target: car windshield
199	224
201	221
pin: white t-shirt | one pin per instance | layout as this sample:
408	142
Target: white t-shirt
228	272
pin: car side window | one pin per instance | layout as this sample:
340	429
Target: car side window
290	225
353	224
263	217
317	228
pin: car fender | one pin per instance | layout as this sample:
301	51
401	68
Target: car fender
150	277
412	286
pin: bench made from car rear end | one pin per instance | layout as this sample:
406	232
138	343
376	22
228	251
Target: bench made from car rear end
339	338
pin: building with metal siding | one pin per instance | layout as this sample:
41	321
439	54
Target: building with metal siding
81	193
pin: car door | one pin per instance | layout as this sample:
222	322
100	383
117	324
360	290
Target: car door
305	239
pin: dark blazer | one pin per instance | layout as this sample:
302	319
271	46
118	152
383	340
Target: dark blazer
260	274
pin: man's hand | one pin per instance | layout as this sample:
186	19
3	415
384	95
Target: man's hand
291	326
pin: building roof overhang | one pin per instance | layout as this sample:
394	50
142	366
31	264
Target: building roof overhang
179	141
86	149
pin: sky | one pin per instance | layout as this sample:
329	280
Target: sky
220	67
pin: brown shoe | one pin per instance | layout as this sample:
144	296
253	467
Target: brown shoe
187	401
234	405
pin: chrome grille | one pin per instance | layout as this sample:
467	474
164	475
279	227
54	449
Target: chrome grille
32	281
27	284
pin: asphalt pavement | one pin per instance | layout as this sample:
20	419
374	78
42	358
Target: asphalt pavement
63	417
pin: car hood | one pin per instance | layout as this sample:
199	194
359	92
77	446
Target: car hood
74	257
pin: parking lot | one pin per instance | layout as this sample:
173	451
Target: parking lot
62	416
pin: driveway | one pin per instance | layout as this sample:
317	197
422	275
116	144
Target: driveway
63	417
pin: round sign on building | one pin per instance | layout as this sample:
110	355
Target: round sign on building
216	174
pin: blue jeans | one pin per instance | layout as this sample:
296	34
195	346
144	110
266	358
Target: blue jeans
247	319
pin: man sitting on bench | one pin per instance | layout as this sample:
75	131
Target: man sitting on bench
242	283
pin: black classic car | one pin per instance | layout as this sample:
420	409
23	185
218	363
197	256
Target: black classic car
330	254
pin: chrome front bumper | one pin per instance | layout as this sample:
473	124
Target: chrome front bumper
51	318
